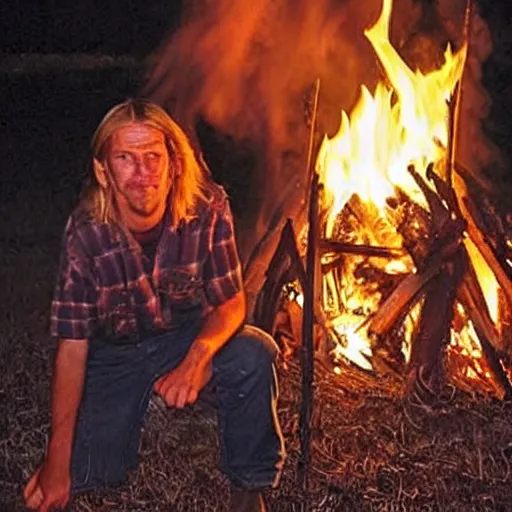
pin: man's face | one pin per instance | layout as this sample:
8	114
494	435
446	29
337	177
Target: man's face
139	163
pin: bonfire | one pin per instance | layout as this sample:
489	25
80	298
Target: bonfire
406	275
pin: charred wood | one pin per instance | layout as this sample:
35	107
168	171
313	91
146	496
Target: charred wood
308	350
472	299
505	324
488	338
489	221
497	235
479	180
453	118
445	192
441	221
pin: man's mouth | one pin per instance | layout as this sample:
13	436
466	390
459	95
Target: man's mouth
143	189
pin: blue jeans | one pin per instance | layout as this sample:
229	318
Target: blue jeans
118	385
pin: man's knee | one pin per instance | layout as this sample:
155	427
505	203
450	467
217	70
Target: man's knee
259	341
250	351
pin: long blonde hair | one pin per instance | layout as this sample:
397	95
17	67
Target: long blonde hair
190	177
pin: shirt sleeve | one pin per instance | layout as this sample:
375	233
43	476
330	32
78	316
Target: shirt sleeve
74	311
223	270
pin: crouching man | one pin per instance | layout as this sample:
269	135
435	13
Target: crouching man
149	297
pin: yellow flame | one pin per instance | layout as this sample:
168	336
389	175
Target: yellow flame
386	132
400	124
486	278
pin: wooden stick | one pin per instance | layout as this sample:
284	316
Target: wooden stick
312	133
308	346
307	352
327	245
277	274
472	299
455	102
453	118
434	328
482	220
403	295
488	338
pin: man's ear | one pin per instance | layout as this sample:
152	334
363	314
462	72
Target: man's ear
100	173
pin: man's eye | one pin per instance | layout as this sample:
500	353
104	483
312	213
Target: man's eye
153	156
122	156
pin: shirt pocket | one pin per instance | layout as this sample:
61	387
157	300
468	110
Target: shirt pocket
120	315
181	293
117	304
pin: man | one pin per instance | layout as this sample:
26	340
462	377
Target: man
150	297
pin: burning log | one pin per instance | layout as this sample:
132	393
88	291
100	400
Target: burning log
493	228
472	299
426	366
405	294
453	106
327	246
444	275
413	225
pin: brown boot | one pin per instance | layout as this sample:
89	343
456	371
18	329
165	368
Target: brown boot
247	501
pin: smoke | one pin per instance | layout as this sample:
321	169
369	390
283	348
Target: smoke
245	66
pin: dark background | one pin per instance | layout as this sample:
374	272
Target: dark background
119	26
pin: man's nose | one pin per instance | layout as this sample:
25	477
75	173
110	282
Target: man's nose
141	166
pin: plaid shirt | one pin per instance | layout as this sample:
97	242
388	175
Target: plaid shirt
104	291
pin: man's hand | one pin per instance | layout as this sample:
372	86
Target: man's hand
182	385
49	487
